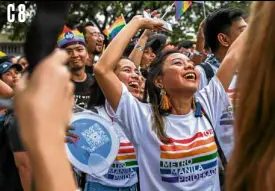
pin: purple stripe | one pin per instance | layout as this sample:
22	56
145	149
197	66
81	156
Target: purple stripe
170	179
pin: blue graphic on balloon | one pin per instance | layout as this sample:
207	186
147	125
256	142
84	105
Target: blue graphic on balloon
93	139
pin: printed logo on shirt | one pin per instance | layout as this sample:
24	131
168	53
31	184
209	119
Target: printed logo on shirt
227	117
189	159
125	164
82	100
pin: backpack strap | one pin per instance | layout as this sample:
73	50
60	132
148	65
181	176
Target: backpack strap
220	151
201	112
208	71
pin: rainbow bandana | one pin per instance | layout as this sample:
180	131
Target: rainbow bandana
69	37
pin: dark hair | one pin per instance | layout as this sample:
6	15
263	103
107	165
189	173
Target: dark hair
155	70
186	44
81	28
220	22
129	49
6	59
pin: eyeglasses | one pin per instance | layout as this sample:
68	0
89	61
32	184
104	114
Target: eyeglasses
98	35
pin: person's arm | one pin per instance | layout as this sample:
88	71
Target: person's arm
24	168
5	90
197	59
104	69
20	155
136	54
229	64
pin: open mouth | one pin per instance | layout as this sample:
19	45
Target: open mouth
190	76
134	85
99	44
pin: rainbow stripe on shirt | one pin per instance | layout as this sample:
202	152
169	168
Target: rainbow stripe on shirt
189	159
125	165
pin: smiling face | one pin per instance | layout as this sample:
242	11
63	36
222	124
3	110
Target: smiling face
11	77
95	40
147	57
128	74
178	75
78	56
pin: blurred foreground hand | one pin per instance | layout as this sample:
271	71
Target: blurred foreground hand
43	103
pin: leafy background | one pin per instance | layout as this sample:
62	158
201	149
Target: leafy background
102	14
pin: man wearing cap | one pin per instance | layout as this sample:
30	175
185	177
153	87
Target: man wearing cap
15	169
10	73
74	43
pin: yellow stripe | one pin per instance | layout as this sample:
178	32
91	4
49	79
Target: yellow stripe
126	157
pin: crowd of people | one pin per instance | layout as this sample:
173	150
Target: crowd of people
190	115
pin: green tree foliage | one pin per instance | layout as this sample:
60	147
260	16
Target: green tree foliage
103	13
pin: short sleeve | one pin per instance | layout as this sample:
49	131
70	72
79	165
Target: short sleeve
214	99
12	130
203	78
133	116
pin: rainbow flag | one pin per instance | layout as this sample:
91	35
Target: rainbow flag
181	7
114	29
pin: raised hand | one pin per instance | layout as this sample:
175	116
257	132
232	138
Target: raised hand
148	23
154	14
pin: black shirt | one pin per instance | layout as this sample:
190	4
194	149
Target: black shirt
83	91
89	69
9	143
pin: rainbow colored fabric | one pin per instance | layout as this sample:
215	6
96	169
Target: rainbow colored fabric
181	7
69	37
114	29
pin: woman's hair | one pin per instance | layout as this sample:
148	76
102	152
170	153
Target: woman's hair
250	167
155	70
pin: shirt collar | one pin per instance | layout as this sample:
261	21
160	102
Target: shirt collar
212	60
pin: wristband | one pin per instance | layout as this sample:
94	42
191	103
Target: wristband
141	48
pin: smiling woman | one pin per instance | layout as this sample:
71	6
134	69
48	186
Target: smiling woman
128	74
176	133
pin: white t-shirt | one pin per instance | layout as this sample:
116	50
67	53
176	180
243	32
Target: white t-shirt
225	130
189	162
123	172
